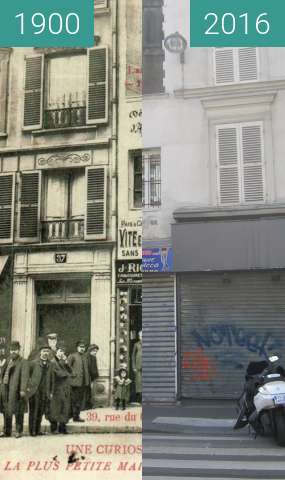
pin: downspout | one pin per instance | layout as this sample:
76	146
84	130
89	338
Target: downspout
114	190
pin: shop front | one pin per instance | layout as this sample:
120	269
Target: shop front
230	268
68	293
129	324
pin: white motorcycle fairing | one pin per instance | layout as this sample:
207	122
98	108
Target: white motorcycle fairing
270	395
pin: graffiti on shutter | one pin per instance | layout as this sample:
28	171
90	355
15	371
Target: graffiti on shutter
97	102
7	189
95	225
29	207
33	95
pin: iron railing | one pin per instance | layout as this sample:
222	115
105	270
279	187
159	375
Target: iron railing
62	230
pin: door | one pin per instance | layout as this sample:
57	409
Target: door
70	322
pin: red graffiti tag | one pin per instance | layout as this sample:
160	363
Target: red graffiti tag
202	368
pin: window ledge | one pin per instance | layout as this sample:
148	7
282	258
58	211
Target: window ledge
102	11
189	214
3	135
45	131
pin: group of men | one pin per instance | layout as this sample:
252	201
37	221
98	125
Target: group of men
49	383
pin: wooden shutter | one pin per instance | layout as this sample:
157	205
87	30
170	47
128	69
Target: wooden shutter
252	161
101	3
228	165
4	73
247	61
7	198
95	221
33	94
29	208
97	88
224	65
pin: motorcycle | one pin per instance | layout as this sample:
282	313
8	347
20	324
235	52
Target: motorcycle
262	403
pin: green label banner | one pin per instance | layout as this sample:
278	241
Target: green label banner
237	23
47	23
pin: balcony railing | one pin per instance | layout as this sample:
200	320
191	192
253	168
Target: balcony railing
62	230
65	117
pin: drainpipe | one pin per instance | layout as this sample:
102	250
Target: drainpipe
114	192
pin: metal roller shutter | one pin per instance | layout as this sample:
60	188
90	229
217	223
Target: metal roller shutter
159	338
228	320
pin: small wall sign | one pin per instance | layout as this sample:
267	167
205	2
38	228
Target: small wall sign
60	257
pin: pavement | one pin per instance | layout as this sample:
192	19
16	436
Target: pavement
76	457
195	440
99	420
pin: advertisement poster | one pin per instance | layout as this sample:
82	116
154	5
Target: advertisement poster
70	313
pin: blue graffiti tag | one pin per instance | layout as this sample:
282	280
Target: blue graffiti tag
228	335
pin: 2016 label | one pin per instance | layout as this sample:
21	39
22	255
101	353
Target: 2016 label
230	24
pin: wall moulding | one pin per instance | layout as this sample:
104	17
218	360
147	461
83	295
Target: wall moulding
64	160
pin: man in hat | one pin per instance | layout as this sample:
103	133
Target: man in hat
52	343
80	380
3	365
58	390
37	389
15	385
93	372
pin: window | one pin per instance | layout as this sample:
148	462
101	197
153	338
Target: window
235	65
66	90
240	155
151	178
153	54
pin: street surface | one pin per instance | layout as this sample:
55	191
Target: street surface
100	456
197	441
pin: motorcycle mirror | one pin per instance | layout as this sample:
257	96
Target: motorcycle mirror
273	359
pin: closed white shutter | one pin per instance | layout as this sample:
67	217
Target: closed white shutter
96	208
33	92
7	199
228	165
240	163
224	65
235	65
247	61
252	160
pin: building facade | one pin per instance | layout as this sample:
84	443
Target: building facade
59	194
218	233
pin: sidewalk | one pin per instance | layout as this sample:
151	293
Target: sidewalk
100	420
188	415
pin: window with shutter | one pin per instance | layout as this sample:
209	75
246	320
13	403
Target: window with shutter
29	209
240	163
33	92
7	196
96	208
97	94
4	74
236	65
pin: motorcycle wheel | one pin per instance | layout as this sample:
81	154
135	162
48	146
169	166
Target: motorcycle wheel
279	421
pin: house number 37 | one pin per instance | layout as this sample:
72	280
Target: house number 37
55	23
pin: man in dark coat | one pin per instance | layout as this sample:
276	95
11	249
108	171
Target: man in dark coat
93	372
58	390
80	380
15	385
37	390
3	364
